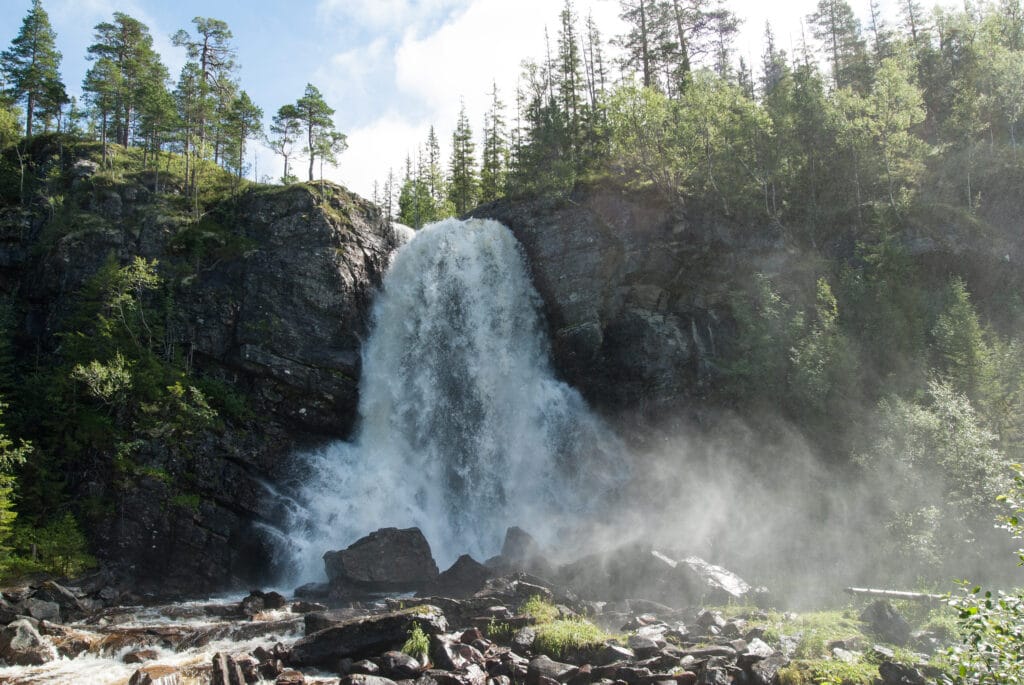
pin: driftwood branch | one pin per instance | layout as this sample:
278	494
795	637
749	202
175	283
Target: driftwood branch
895	594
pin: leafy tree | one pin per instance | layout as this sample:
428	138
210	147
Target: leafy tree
936	472
315	115
32	65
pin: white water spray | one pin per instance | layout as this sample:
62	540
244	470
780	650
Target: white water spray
463	428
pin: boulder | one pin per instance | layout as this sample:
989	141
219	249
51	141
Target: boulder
884	621
546	668
765	671
399	666
365	636
290	677
70	605
362	679
389	559
22	645
900	674
41	609
463	579
226	671
140	656
156	675
520	552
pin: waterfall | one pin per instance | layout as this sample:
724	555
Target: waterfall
463	429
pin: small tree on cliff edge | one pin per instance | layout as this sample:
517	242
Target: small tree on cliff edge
316	119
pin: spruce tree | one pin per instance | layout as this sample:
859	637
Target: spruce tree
462	188
494	167
31	65
245	121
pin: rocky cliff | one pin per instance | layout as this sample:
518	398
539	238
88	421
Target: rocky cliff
270	292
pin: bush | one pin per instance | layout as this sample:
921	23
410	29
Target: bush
418	644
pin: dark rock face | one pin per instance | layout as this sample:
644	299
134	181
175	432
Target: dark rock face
387	559
634	294
271	295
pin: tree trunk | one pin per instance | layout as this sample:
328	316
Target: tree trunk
29	106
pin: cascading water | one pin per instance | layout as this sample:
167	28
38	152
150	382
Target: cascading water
463	428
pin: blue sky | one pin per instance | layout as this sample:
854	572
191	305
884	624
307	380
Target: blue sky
390	68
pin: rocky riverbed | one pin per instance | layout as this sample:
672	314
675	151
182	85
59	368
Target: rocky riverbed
475	624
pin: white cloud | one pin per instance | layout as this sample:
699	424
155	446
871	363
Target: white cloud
384	14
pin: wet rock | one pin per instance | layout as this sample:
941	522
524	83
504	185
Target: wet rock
70	605
884	621
8	612
399	666
318	620
464	578
759	648
313	591
303	607
140	656
611	653
226	671
22	645
387	559
520	552
452	655
361	679
156	675
41	609
522	640
259	601
900	674
290	677
765	672
364	666
543	667
365	636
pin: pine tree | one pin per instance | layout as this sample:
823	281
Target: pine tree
835	25
31	65
127	44
463	186
101	86
494	169
315	115
214	57
245	121
432	175
286	128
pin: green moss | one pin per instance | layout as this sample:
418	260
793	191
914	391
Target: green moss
190	501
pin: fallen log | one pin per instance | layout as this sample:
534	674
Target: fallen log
896	594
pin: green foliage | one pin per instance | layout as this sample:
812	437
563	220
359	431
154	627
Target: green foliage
58	547
418	644
31	67
827	672
992	622
936	473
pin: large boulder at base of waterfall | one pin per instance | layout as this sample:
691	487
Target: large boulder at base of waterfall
385	560
366	636
520	552
22	645
465	578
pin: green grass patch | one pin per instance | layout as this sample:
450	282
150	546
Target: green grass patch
564	637
418	644
542	610
826	672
